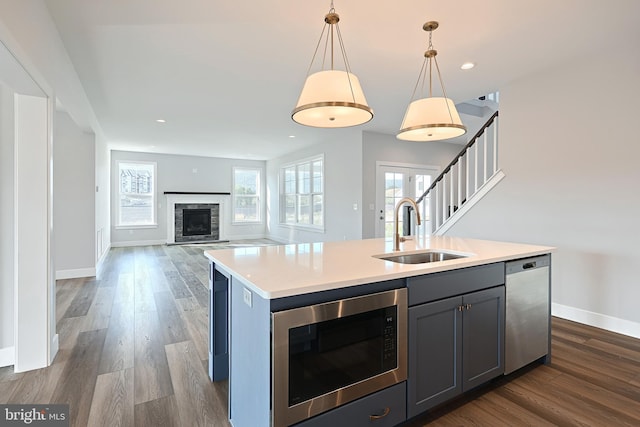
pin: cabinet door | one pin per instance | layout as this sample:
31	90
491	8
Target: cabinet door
483	336
435	365
218	325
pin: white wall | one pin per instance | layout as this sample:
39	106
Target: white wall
33	270
28	32
176	173
382	147
342	186
102	199
6	224
73	202
569	148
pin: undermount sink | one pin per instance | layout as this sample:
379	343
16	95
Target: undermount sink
422	257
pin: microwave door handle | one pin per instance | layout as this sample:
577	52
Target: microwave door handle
386	412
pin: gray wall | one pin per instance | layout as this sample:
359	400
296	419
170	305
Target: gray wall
176	173
6	216
569	149
102	198
382	147
73	198
342	190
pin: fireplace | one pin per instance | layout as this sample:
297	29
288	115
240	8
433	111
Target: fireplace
196	217
197	222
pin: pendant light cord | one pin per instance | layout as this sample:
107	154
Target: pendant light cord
428	61
329	42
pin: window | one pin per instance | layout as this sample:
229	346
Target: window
136	194
302	193
246	195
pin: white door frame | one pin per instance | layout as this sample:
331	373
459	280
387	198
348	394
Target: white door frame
35	340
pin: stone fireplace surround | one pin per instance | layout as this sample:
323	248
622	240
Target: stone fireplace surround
195	199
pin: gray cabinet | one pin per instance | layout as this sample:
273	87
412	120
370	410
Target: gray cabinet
435	339
218	324
385	408
455	344
482	337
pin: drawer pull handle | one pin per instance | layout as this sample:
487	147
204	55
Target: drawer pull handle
384	414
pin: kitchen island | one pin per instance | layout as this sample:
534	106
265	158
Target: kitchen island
252	287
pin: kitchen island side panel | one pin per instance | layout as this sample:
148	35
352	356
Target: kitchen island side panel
249	358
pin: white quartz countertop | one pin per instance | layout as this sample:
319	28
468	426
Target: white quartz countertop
295	269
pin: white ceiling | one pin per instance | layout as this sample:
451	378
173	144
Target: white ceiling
226	74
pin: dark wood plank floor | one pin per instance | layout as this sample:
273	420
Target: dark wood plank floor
133	350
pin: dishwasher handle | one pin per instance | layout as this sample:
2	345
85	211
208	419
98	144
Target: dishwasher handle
528	264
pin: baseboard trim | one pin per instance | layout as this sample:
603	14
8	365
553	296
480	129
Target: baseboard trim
74	274
7	356
602	321
53	350
138	243
102	258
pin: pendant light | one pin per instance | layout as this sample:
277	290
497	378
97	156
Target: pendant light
331	98
430	118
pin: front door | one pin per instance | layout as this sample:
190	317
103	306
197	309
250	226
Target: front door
395	181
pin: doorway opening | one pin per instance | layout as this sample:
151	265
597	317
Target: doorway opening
395	181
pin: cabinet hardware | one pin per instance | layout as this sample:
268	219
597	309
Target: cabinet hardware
386	412
468	307
460	307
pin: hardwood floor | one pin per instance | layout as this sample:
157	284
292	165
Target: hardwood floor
133	352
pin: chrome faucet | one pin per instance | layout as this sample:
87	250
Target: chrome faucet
397	238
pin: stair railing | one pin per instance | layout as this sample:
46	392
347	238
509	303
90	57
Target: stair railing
474	165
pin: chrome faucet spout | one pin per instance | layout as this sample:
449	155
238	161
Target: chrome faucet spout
397	238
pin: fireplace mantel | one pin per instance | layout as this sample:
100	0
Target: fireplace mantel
198	193
174	197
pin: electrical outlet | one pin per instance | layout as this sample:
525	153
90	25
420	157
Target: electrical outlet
246	296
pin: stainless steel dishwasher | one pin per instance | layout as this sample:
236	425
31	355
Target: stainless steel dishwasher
527	311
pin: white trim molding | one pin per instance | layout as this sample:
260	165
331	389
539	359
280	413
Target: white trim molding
53	349
75	273
473	199
221	199
602	321
137	243
7	356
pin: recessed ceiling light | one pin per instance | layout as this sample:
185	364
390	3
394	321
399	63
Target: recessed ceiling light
467	66
161	121
292	136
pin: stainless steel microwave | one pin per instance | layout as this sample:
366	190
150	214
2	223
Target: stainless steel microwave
329	354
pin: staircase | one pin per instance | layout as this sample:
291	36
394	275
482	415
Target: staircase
469	176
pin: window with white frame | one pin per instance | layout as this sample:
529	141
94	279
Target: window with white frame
136	203
246	194
302	193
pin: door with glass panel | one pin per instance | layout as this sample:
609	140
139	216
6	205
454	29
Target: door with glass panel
395	182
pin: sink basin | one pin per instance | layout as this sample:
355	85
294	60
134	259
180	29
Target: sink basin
420	257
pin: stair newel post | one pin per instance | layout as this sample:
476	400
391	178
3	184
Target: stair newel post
494	127
460	182
444	198
451	188
475	169
436	204
484	161
468	177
